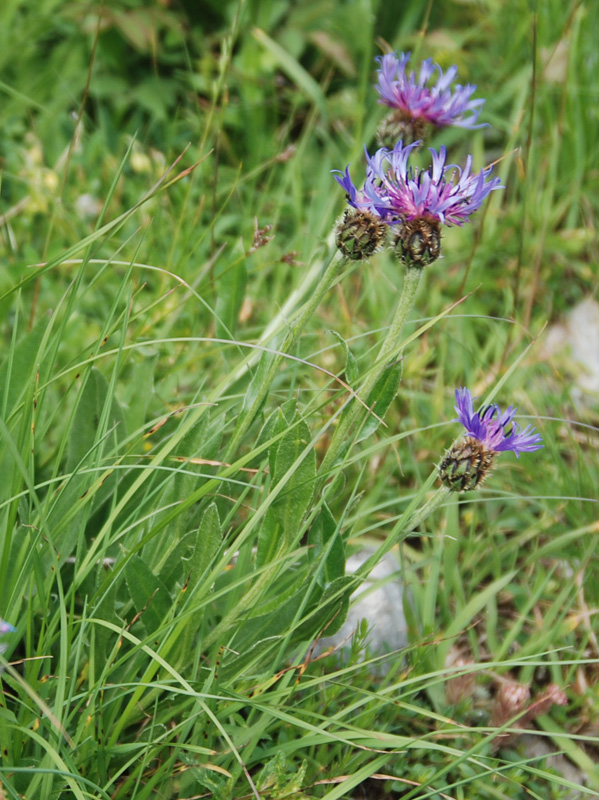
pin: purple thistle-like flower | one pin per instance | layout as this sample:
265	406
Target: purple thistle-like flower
488	432
397	193
5	627
421	99
495	430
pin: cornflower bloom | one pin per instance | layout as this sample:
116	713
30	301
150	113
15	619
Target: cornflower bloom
418	202
487	432
420	102
5	627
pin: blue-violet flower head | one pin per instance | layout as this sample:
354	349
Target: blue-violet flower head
488	432
419	201
423	99
398	193
5	627
497	431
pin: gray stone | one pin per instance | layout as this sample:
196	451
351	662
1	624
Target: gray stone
577	338
539	747
379	600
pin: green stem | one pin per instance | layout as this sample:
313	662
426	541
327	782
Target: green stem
432	504
389	348
411	519
297	325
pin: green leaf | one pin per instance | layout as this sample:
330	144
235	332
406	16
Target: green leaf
381	397
207	543
231	286
269	538
18	368
218	786
140	387
325	542
280	779
150	596
295	499
105	609
331	611
258	652
173	567
176	489
284	517
261	376
274	425
352	372
85	430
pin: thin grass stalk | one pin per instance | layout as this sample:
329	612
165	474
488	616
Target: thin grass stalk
412	278
329	277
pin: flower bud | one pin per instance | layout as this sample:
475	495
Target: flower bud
359	234
466	464
419	242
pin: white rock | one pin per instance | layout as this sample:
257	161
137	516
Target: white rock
578	337
380	601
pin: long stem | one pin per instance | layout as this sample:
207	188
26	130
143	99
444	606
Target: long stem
412	518
297	325
412	278
431	505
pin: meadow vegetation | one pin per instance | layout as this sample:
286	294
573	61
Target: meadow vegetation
173	370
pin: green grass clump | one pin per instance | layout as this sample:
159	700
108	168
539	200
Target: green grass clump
180	343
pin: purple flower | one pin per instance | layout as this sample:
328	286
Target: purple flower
421	98
398	193
496	431
5	627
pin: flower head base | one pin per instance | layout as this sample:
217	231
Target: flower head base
396	126
488	432
359	234
443	194
466	464
419	242
420	101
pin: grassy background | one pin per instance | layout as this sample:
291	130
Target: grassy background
158	601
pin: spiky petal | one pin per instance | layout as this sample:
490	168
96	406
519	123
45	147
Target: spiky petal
495	430
422	98
397	192
487	433
5	627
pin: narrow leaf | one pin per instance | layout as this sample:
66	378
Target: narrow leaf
326	542
149	594
208	540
